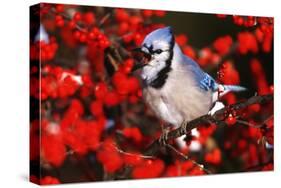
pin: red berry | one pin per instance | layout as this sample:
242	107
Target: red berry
121	15
83	37
59	21
133	133
77	34
159	13
147	13
71	24
123	28
128	65
181	39
91	35
89	18
101	90
271	89
48	180
111	99
77	16
97	108
230	120
221	15
59	8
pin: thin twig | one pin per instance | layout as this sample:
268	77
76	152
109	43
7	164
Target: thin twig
133	154
104	19
254	125
112	61
189	159
249	124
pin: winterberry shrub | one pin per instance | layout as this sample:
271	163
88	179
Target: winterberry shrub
94	124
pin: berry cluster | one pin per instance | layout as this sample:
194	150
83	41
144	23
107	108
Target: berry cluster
45	51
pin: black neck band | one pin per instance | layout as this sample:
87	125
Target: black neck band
162	76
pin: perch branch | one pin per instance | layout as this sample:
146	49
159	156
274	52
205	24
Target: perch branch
218	117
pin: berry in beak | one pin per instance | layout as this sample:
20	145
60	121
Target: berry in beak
144	58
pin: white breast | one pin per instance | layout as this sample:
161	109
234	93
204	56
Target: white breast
162	106
179	99
176	102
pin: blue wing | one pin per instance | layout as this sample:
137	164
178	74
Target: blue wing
207	83
204	80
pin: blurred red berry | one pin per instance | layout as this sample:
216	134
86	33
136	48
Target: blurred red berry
59	8
214	157
223	44
49	180
159	13
147	13
133	133
247	43
100	90
59	21
121	15
53	150
149	169
77	16
89	18
97	108
181	39
111	99
109	157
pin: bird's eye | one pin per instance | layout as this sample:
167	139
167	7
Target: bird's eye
158	51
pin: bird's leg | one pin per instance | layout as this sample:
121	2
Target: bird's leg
183	127
164	136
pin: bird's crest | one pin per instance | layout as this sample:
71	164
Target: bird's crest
163	34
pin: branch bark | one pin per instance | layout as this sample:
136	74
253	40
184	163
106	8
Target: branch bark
217	118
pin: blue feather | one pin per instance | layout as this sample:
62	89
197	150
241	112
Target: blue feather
234	88
208	83
162	34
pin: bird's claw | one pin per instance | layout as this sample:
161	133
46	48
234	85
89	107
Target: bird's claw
164	138
183	128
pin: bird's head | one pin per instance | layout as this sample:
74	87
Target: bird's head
157	52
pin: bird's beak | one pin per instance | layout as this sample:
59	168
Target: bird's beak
137	66
144	60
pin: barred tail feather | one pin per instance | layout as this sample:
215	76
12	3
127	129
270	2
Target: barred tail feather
232	88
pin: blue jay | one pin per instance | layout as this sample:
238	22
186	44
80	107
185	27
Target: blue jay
174	86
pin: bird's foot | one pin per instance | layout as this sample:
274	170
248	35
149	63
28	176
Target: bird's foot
164	137
183	128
